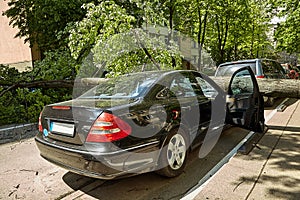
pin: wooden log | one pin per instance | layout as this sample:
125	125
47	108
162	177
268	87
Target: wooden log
92	81
269	87
280	87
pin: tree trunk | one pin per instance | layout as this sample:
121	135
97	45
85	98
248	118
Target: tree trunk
36	84
269	87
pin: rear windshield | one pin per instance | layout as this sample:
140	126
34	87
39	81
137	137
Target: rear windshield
123	87
229	69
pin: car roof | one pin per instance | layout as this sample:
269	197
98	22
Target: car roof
161	72
244	61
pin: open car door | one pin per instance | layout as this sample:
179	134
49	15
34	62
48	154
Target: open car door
245	105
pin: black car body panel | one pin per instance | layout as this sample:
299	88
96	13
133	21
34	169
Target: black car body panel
88	161
149	106
246	107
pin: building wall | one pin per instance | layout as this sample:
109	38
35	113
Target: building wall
13	51
189	49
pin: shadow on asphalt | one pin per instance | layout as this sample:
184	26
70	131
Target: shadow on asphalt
153	186
278	101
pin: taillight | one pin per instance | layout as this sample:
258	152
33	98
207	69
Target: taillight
61	107
108	128
40	123
261	76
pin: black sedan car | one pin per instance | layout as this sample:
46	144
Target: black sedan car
146	121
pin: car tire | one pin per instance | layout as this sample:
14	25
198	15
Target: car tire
173	156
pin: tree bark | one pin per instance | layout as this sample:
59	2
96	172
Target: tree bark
269	87
37	84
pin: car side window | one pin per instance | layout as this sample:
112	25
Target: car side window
208	90
242	84
187	85
278	70
181	86
272	69
268	69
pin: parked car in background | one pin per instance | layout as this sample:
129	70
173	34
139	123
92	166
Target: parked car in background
262	68
145	121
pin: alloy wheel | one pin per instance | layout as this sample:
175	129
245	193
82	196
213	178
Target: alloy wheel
176	151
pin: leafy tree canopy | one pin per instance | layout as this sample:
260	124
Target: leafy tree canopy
108	32
288	32
40	21
100	22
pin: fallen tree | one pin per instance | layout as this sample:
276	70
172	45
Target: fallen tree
85	83
269	87
36	84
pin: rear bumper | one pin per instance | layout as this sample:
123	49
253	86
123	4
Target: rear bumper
97	165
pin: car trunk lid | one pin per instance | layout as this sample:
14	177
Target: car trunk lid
71	121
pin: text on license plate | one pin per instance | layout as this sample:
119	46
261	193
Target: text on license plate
62	128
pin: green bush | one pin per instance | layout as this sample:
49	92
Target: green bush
22	105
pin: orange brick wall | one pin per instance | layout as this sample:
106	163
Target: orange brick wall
13	51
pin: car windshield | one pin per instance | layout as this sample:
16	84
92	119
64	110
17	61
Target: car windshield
228	70
127	86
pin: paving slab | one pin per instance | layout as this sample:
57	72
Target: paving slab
270	171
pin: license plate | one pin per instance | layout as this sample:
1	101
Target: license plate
62	128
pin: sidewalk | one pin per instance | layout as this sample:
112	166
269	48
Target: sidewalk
270	171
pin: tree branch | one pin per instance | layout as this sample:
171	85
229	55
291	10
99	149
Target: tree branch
37	84
146	51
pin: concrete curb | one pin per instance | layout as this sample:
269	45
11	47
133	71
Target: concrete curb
18	132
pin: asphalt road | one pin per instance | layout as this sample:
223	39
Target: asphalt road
25	175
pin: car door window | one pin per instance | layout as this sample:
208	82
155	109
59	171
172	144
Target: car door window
278	69
242	84
244	101
208	90
268	69
272	69
181	86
